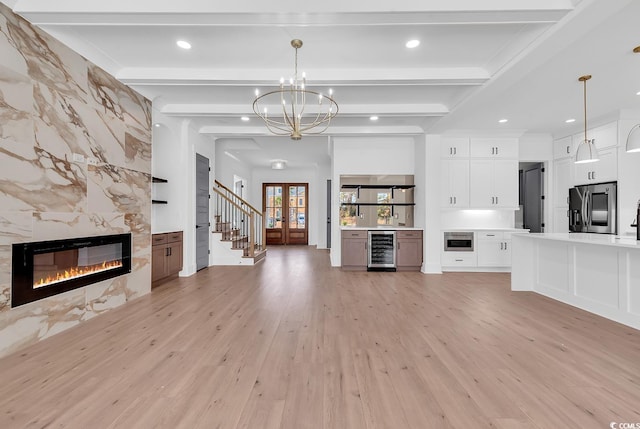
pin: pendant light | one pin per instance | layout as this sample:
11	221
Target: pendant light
633	139
586	151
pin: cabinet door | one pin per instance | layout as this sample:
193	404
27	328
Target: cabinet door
562	169
494	147
409	252
158	262
454	147
455	183
563	148
481	183
505	183
560	219
174	259
604	170
605	136
494	253
354	252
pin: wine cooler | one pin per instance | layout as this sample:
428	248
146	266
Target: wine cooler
382	251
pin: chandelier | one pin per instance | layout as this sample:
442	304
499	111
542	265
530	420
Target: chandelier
293	121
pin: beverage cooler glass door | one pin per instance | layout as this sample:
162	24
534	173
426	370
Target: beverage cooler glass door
382	249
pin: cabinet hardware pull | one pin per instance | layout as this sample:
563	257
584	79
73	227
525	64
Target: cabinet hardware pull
496	200
493	200
398	245
450	200
505	245
593	175
455	150
501	246
497	150
459	260
491	235
455	200
493	149
450	151
568	151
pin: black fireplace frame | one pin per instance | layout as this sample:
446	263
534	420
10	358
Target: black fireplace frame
22	290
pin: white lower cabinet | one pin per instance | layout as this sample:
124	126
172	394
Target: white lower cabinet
494	249
459	259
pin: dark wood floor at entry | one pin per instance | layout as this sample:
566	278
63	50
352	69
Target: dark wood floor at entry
292	343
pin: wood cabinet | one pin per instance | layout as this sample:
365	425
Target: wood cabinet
493	183
354	250
409	250
455	183
166	256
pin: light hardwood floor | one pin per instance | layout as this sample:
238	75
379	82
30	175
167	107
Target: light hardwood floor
293	343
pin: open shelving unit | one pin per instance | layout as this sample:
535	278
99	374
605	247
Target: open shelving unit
158	180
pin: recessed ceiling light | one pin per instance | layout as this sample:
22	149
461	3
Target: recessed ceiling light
502	121
157	124
183	44
638	93
373	118
412	44
568	121
245	118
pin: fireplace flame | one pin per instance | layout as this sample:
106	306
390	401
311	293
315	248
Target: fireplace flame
75	272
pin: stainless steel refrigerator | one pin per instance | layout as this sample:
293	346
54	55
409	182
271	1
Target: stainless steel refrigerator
593	208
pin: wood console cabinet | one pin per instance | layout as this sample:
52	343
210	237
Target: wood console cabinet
354	250
166	257
408	250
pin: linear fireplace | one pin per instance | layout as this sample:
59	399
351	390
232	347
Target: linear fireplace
48	268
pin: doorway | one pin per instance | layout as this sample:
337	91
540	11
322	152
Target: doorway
532	196
202	212
286	208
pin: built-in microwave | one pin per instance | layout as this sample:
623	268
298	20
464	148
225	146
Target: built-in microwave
458	241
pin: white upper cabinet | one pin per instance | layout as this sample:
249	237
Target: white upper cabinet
455	183
494	147
454	147
605	136
605	170
563	148
493	183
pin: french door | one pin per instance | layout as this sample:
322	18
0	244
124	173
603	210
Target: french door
286	207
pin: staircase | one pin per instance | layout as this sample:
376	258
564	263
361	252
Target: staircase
240	227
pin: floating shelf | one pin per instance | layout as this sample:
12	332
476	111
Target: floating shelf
377	186
158	180
377	204
159	202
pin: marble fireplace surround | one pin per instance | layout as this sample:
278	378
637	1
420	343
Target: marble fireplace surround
58	110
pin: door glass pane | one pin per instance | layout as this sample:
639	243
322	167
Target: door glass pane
273	206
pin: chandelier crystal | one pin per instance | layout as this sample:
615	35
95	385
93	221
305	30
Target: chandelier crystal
293	121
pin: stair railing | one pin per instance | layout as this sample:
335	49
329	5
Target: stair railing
239	221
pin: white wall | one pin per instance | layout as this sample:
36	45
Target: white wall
433	187
366	155
227	167
316	177
175	144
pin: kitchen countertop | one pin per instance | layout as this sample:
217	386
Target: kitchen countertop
485	229
586	238
380	228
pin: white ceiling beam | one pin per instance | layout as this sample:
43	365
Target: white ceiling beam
270	19
321	77
226	110
228	131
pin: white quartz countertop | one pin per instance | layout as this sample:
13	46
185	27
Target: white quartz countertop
380	227
586	238
485	229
